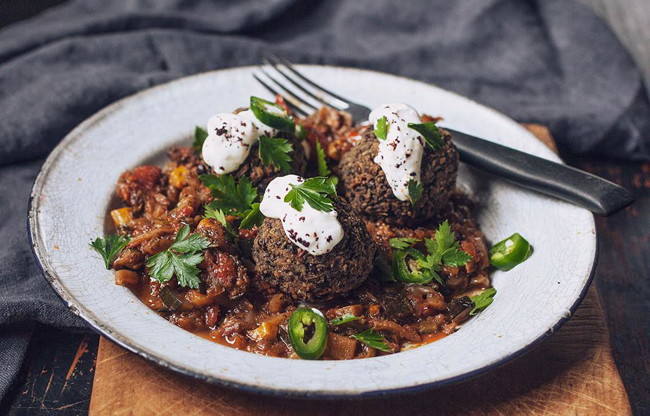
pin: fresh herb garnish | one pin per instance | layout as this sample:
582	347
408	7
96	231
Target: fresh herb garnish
252	217
415	190
230	197
482	300
321	163
430	132
373	340
180	259
315	191
381	128
344	319
200	134
275	151
443	249
108	247
323	170
220	216
403	242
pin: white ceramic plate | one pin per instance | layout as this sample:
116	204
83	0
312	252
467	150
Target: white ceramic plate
72	193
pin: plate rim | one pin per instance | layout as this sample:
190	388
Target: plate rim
50	275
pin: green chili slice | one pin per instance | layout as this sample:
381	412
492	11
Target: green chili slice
510	252
308	333
406	267
272	115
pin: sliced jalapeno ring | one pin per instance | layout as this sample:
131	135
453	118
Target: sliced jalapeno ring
510	252
308	333
272	115
406	269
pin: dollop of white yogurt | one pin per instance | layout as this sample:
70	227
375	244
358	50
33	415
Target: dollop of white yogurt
230	139
317	232
400	155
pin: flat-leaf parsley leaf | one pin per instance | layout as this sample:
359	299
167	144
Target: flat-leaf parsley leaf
180	259
200	134
233	198
315	191
220	216
415	190
344	319
252	217
430	132
381	128
275	151
403	242
443	249
109	247
373	340
323	170
483	300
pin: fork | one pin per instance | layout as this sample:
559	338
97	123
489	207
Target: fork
580	188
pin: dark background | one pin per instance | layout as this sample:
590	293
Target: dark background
58	373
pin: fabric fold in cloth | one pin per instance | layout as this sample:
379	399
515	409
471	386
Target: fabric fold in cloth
551	62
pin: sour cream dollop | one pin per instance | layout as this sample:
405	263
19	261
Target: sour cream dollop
230	139
400	155
317	232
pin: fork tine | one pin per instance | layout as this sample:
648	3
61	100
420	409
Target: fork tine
335	103
298	96
289	66
291	102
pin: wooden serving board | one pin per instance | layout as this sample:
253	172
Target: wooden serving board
570	373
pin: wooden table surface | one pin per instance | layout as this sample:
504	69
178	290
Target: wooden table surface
58	374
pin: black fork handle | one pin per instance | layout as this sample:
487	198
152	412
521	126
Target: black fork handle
564	182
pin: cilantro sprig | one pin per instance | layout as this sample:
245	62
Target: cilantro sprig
430	132
274	151
200	134
180	259
317	192
381	128
109	247
344	319
482	300
373	340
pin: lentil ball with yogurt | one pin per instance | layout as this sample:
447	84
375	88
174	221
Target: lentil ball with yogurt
374	173
310	255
